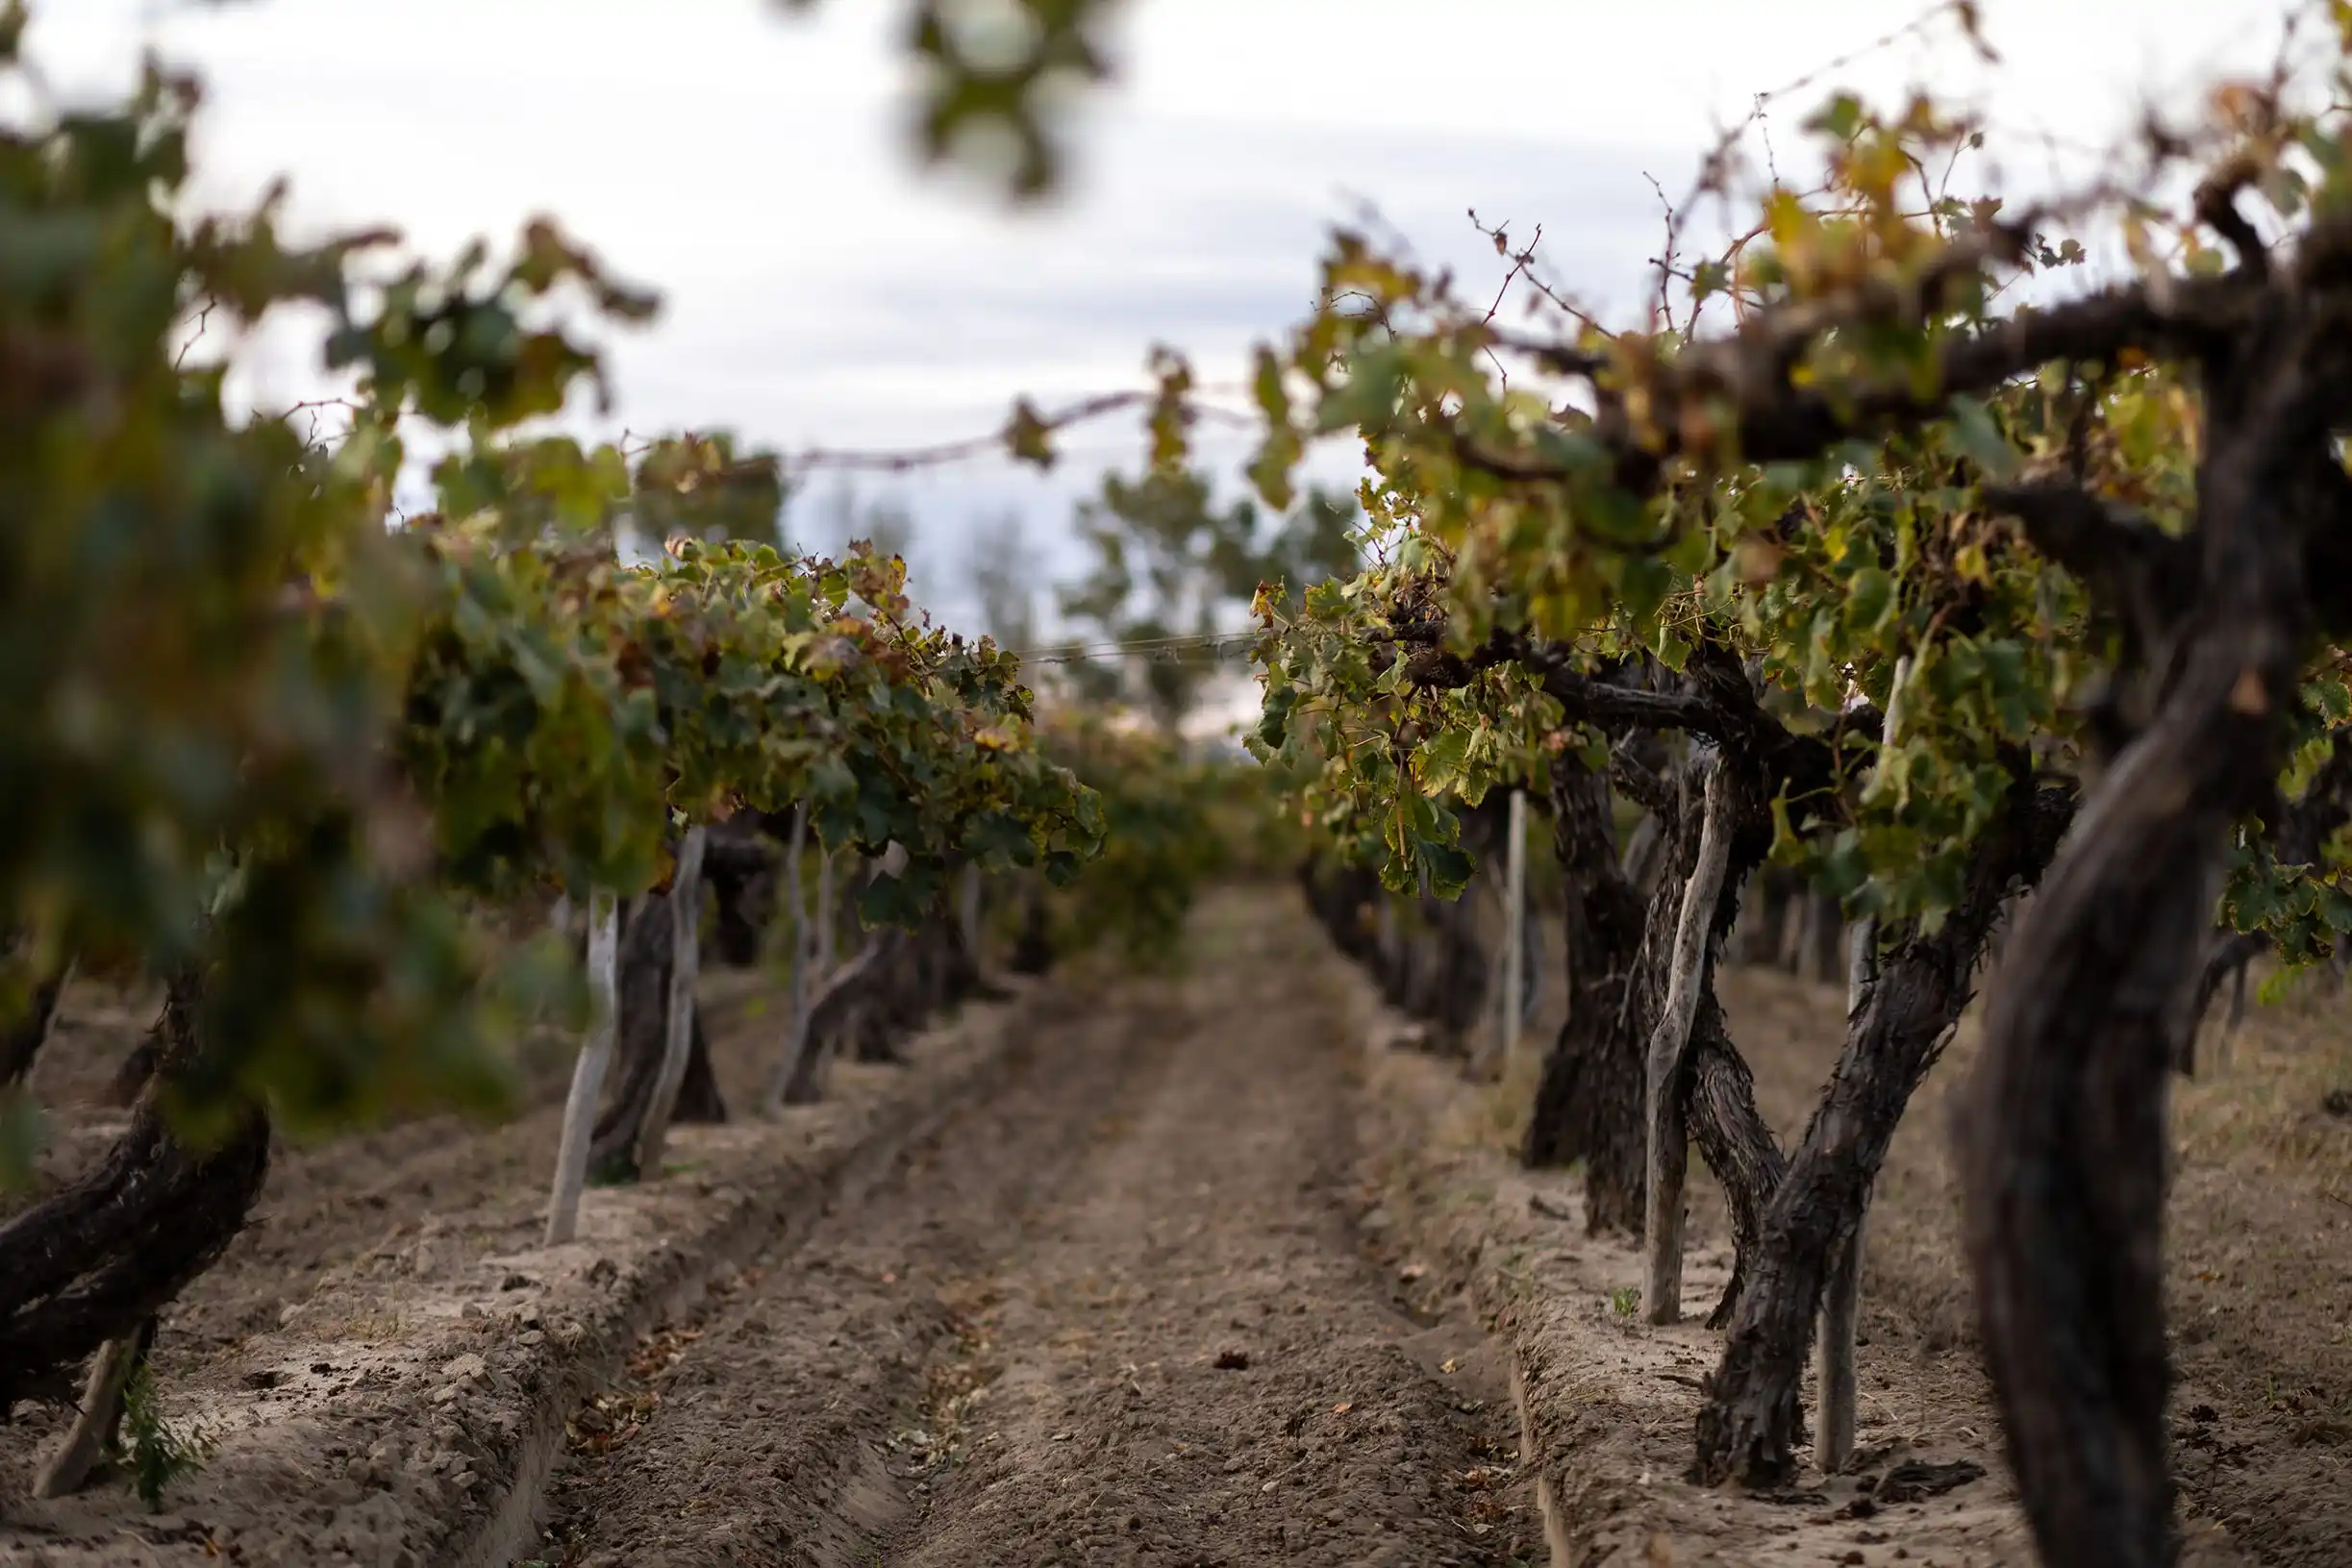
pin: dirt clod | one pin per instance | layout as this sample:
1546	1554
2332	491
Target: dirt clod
1917	1481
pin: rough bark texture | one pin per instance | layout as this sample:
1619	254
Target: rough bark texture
2063	1137
1588	1096
648	940
95	1260
1750	1425
2063	1154
1589	1099
1733	1139
831	1011
742	865
1835	1376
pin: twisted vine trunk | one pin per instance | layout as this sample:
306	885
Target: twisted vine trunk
1589	1095
1751	1422
2062	1139
831	1004
1590	1098
95	1260
1733	1139
2063	1129
649	945
1837	1377
589	1068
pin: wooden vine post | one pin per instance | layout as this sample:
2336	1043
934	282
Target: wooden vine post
1510	1010
1669	1151
588	1072
98	1421
1842	1293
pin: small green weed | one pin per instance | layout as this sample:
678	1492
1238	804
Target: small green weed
1625	1301
157	1454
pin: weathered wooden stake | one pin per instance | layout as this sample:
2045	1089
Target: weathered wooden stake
588	1072
1668	1140
99	1420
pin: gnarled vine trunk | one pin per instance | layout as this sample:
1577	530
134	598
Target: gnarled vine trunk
1589	1095
1667	1054
1750	1425
742	865
831	1014
1733	1139
1590	1098
95	1260
647	942
2062	1135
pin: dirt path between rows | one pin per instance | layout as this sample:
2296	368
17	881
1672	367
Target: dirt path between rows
367	1194
1125	1311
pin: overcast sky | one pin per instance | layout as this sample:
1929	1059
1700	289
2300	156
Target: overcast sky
820	290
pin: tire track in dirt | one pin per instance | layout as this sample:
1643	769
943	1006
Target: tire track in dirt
1119	1313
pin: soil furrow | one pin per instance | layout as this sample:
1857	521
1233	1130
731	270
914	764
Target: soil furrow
1122	1312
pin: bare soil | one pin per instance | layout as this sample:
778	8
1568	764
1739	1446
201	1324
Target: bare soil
328	1204
1183	1270
1121	1313
389	1386
1125	1304
2260	1239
